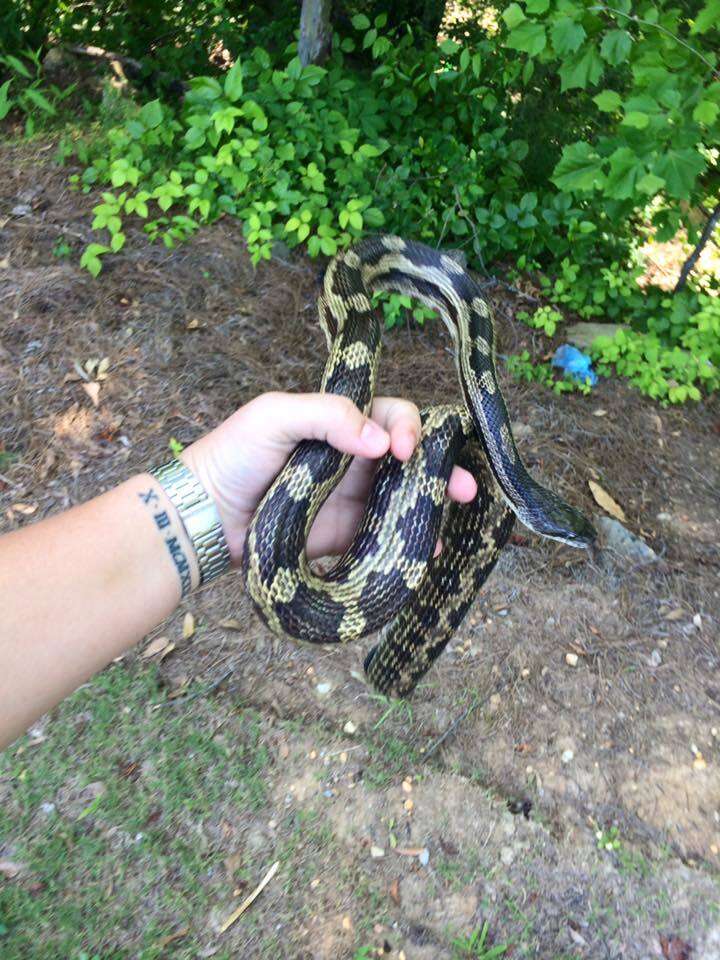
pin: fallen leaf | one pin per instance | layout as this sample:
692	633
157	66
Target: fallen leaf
673	948
26	509
230	624
394	892
10	869
188	626
102	369
410	851
256	892
156	646
377	852
603	498
172	937
676	614
93	391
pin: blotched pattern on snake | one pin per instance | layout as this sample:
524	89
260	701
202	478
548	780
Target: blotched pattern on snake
388	580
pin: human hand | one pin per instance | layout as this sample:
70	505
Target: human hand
237	462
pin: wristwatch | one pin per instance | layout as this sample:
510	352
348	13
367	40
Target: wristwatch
199	517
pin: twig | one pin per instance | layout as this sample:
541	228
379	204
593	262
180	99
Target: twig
189	697
657	26
454	725
695	255
9	482
253	896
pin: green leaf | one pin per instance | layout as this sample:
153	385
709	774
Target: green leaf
449	47
18	66
650	184
567	36
708	17
513	16
328	246
40	101
528	37
233	85
374	217
368	150
680	169
582	70
151	114
580	168
616	46
537	6
635	119
625	168
360	21
5	102
706	113
608	101
117	242
464	59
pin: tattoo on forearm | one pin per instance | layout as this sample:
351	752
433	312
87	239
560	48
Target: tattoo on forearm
162	521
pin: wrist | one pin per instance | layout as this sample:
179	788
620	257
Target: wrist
197	514
200	460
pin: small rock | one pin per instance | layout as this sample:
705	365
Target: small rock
377	852
21	210
507	855
655	658
280	251
494	703
521	430
424	857
583	334
567	756
664	517
350	727
615	537
571	659
323	689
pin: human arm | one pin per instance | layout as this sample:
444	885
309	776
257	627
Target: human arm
79	588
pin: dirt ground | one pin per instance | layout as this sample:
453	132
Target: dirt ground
574	805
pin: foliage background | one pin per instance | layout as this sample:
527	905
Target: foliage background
550	138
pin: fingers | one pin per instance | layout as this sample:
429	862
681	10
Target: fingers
401	419
290	418
287	419
462	486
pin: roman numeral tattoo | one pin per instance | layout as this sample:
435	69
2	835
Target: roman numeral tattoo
175	549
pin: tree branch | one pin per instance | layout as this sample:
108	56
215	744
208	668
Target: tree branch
695	255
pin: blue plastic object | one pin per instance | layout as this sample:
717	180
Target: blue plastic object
575	363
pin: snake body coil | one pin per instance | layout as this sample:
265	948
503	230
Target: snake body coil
388	580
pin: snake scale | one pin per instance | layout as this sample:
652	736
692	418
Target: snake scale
388	579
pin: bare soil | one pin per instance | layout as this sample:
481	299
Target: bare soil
541	756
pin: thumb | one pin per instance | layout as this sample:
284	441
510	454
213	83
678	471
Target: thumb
328	417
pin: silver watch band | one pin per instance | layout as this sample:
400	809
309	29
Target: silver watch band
199	517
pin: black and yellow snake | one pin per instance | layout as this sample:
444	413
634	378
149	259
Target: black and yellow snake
388	579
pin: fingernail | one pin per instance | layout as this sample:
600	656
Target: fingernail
372	433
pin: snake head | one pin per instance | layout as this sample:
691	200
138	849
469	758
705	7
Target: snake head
560	521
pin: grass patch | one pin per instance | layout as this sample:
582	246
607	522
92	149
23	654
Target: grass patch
114	870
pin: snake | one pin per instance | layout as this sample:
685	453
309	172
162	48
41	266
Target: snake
389	581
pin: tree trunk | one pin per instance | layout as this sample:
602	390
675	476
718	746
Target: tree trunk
695	255
315	31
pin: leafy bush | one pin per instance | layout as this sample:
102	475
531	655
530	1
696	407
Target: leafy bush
547	137
26	92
